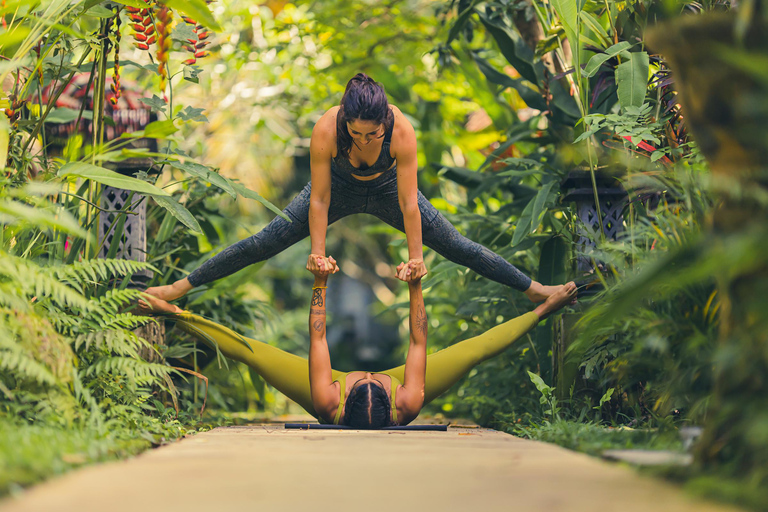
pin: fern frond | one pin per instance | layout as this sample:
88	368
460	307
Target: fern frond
115	300
136	368
96	270
25	367
33	281
102	320
117	341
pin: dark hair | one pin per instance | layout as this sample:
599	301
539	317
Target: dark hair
363	99
367	407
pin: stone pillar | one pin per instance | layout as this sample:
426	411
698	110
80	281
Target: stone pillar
613	200
133	238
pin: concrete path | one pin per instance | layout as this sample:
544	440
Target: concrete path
268	468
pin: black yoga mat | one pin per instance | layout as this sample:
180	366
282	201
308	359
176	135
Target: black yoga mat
318	426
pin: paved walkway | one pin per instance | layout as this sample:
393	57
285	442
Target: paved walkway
268	468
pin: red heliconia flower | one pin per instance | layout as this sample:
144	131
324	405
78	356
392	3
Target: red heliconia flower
164	18
116	72
142	26
196	46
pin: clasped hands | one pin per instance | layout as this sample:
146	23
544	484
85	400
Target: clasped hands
409	272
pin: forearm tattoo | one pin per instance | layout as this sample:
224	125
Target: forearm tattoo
420	323
317	297
318	325
314	311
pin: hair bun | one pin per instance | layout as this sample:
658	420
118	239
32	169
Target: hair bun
362	77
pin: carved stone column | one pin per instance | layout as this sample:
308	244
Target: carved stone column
613	200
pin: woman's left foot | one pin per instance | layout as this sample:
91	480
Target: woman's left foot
151	305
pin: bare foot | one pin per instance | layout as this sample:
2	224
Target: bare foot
150	305
558	300
538	292
171	291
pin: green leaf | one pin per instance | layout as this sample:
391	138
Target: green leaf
132	3
5	128
594	64
594	24
157	103
197	10
607	396
461	20
531	97
182	32
16	35
514	49
632	80
119	155
250	194
160	129
66	115
597	60
62	221
205	174
118	233
99	11
539	201
107	177
523	224
191	74
178	211
540	384
192	114
568	12
553	261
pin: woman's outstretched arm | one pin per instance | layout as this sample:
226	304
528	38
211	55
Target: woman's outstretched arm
320	151
411	397
404	142
325	398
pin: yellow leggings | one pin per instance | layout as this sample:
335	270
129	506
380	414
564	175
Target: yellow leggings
289	373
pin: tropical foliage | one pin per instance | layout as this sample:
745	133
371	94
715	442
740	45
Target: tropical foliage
525	112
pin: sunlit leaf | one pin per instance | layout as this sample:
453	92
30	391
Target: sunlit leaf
250	194
197	10
632	80
107	177
178	211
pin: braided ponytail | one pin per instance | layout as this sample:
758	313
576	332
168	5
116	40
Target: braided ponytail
367	407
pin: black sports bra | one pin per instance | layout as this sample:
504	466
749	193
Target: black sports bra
381	164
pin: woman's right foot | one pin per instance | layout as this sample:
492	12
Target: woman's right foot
558	300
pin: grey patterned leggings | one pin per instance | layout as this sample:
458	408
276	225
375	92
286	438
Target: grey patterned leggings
377	197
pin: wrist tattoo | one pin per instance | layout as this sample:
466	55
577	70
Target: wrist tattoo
317	297
315	311
318	325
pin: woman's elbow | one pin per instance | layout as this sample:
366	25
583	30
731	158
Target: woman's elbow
320	203
409	206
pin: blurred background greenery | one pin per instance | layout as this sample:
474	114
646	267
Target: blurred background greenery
530	118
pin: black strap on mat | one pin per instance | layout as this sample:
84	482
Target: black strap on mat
319	426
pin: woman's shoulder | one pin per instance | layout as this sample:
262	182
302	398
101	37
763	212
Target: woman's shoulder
403	134
325	129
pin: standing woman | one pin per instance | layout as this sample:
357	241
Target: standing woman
363	160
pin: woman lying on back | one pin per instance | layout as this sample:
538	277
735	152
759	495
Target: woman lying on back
363	399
